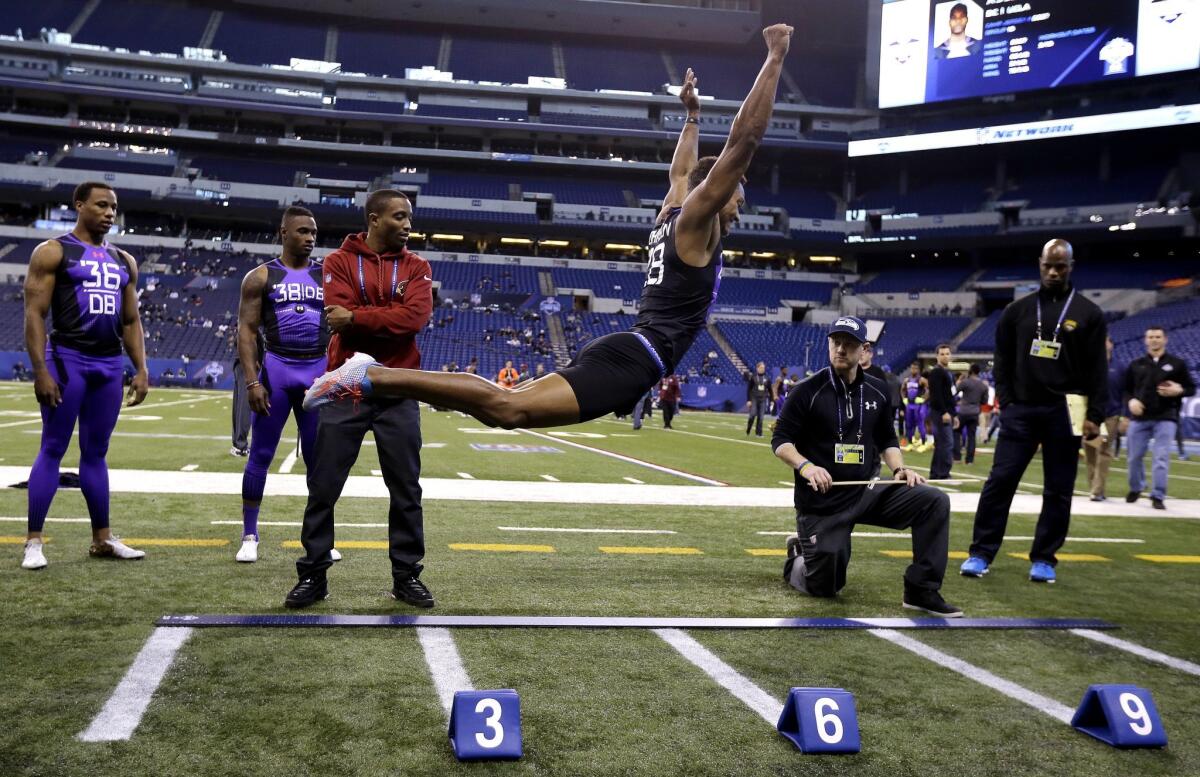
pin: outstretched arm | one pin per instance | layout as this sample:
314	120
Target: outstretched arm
39	289
706	200
249	320
687	150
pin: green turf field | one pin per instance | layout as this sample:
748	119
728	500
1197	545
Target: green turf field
599	701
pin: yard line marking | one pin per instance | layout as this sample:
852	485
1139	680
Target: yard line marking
191	418
1114	540
1065	557
767	551
906	535
12	539
445	665
175	542
629	459
123	711
156	405
585	531
23	519
466	476
785	482
1035	486
1137	650
766	706
956	554
189	468
636	550
340	525
1169	559
551	478
288	462
501	548
1179	477
693	434
633	480
360	544
23	423
1041	703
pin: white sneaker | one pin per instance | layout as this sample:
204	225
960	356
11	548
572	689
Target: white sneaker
114	548
248	553
34	557
335	554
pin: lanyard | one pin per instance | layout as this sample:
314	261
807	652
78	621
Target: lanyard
1061	317
849	405
362	283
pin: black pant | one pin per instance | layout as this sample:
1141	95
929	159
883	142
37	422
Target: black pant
397	427
943	448
668	411
241	408
757	408
825	539
1025	427
968	430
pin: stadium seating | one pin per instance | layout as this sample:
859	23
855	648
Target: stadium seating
915	279
384	49
903	338
778	345
139	25
268	39
983	338
635	66
499	58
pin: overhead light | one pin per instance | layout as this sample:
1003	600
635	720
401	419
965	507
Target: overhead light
438	236
824	259
621	247
730	252
520	241
554	243
416	235
763	254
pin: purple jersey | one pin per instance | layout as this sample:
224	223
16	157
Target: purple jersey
293	311
912	387
85	309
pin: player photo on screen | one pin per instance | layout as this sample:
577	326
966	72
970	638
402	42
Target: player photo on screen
1168	37
904	36
957	29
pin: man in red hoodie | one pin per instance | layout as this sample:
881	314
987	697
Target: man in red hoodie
378	296
613	372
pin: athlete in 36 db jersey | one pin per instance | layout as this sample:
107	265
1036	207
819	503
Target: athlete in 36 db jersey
89	289
611	373
285	298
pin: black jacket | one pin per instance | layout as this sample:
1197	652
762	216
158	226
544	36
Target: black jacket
941	391
809	421
1081	367
1142	377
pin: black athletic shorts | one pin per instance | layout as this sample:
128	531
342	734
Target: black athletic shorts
611	373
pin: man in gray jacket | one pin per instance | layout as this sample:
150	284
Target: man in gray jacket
973	393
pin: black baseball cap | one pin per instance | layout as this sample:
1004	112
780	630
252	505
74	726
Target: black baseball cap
855	327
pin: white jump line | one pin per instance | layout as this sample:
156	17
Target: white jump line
765	705
289	462
628	459
340	525
445	664
1137	650
697	434
123	711
633	480
1044	704
584	531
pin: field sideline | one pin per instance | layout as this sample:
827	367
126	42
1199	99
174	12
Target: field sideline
593	520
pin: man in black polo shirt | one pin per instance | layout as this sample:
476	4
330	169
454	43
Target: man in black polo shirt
834	427
1049	345
944	415
1154	387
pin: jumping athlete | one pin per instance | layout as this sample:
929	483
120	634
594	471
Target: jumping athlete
90	290
284	297
613	372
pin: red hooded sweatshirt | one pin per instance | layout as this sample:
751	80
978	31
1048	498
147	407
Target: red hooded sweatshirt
386	320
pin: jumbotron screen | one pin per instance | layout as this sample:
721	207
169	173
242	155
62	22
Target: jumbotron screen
932	50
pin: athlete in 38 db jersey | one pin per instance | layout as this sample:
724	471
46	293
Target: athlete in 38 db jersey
89	288
613	372
285	298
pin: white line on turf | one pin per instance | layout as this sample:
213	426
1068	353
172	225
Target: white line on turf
633	480
124	709
23	519
445	665
340	525
1136	649
767	707
157	405
466	476
628	459
584	531
1018	537
551	478
289	462
189	468
982	676
697	434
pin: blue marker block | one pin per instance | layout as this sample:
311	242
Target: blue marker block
1120	715
821	720
486	725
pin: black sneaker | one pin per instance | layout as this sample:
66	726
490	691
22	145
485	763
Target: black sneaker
411	590
1132	496
932	603
1157	503
307	592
